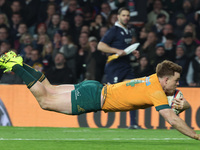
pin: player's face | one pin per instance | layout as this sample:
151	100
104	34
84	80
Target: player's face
172	83
124	17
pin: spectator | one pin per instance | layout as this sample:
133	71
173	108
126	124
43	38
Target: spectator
149	45
15	20
193	75
179	26
170	47
144	68
40	30
159	25
27	55
59	74
65	28
42	40
47	55
160	54
95	61
4	34
72	11
96	25
30	14
35	60
143	35
102	31
64	5
190	44
183	61
25	39
16	7
172	6
188	11
167	29
4	20
69	50
89	14
189	28
112	18
4	47
22	28
57	41
157	9
78	23
54	25
47	15
86	29
105	10
83	51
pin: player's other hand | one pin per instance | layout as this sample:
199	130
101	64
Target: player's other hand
121	53
177	103
180	103
136	53
197	136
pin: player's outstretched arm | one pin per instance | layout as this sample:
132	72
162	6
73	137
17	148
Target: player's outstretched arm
178	123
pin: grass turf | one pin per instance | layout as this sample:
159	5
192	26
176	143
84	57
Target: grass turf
40	138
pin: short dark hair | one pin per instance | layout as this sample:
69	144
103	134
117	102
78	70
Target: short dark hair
161	15
121	9
4	27
167	68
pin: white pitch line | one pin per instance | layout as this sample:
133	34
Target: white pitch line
96	139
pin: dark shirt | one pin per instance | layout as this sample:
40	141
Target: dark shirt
120	38
60	76
184	63
142	73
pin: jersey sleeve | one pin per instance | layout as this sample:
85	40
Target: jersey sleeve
159	100
109	36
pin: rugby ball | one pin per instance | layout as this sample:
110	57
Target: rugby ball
177	94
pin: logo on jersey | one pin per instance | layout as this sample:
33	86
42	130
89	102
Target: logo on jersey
80	109
115	79
147	81
122	33
133	82
77	93
128	40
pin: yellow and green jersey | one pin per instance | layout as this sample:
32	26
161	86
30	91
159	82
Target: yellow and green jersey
134	94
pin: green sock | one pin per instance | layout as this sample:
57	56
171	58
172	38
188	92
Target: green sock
36	74
26	76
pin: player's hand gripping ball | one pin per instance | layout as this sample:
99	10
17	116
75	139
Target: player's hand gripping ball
176	108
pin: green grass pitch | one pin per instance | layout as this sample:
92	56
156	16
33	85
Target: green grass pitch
41	138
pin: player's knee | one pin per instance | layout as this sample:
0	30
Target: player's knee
44	104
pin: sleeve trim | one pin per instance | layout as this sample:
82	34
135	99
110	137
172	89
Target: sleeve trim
162	107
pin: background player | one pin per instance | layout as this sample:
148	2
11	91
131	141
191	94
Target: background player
115	41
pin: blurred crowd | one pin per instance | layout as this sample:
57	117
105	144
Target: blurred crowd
60	37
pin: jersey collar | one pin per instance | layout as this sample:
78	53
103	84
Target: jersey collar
118	25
